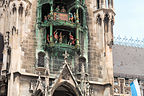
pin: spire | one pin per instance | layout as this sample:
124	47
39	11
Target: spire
66	55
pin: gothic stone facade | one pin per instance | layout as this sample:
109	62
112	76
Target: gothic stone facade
56	47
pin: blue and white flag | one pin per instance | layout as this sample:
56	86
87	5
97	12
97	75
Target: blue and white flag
135	88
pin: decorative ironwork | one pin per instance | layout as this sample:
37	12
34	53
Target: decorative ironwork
129	42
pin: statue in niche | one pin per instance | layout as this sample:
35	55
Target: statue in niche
45	19
57	9
71	39
63	9
71	17
56	36
60	37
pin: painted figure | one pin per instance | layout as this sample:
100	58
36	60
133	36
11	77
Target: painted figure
48	16
56	36
71	39
63	9
73	42
45	19
60	38
74	17
57	9
71	17
48	40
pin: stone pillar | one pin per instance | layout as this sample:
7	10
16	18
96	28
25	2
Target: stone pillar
109	4
103	3
112	3
51	33
100	3
77	29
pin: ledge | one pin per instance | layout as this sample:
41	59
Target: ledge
100	83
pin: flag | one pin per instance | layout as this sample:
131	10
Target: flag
135	88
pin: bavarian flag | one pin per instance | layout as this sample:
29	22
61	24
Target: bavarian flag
135	88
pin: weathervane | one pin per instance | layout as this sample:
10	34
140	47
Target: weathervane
66	55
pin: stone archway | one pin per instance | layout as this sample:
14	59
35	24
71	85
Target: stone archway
64	90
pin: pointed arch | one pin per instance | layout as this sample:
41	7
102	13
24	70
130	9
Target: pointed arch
41	59
99	19
106	22
21	9
112	23
65	88
14	9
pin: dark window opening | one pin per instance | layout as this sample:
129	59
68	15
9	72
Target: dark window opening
1	50
21	9
47	35
14	8
99	20
106	22
41	59
81	16
112	23
64	91
45	12
98	4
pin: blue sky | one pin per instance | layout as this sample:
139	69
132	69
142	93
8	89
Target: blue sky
129	19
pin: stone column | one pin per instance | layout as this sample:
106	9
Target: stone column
51	33
112	3
100	3
109	4
77	29
103	3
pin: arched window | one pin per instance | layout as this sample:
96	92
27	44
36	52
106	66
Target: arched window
112	23
45	12
21	9
106	22
1	50
41	59
65	90
82	62
99	20
14	8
